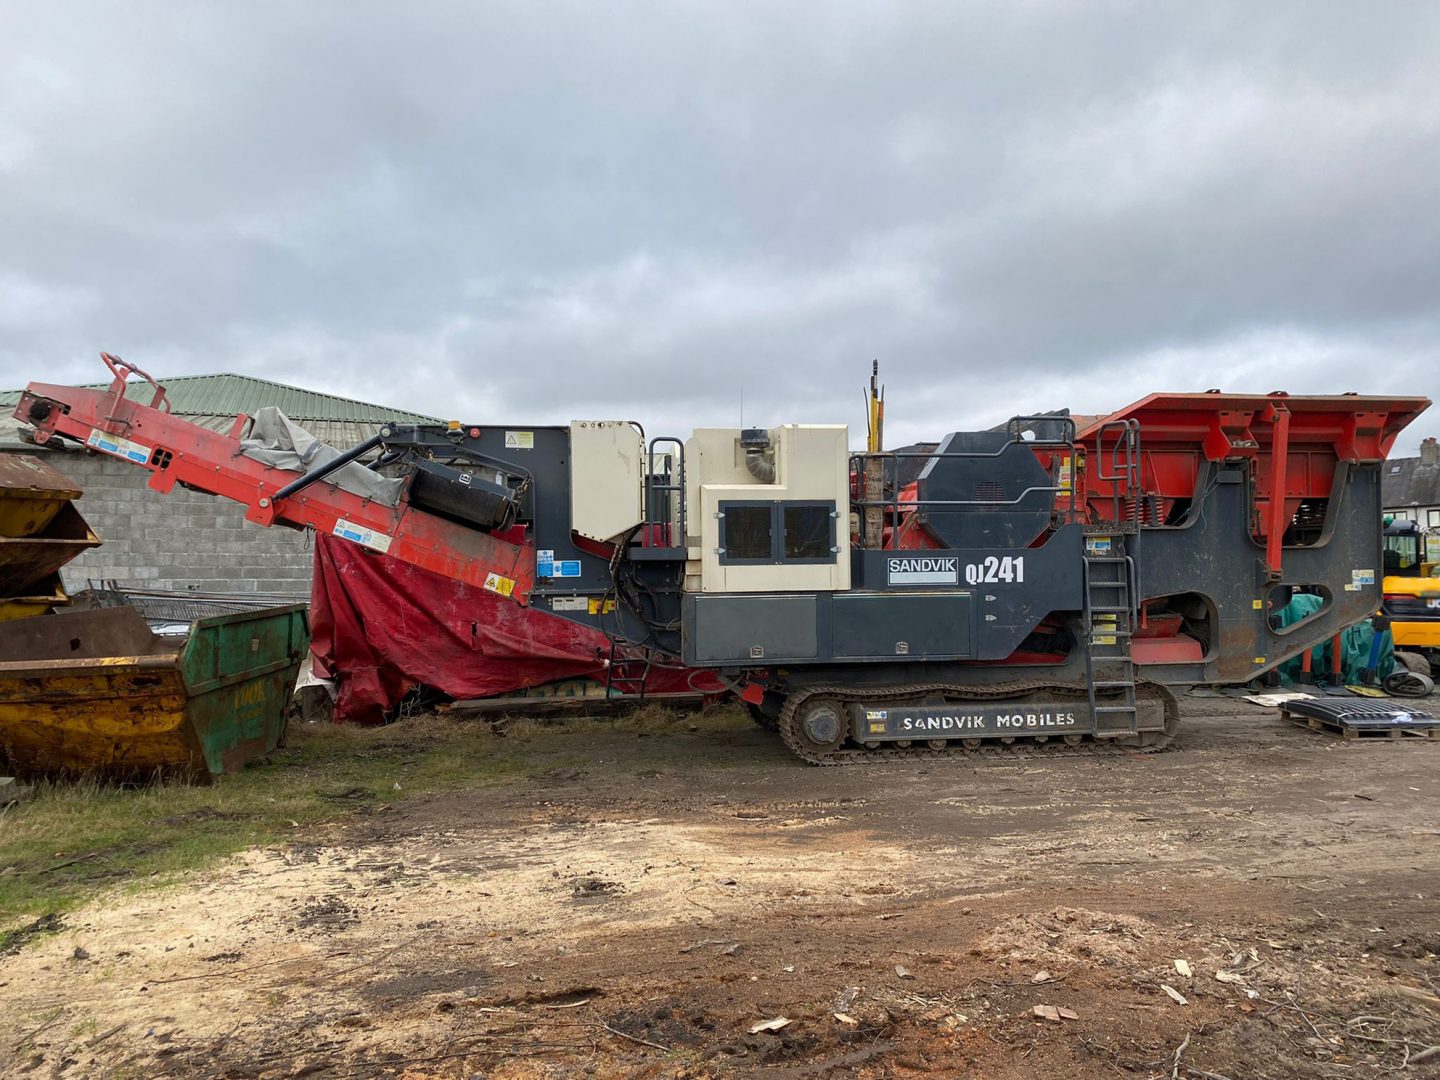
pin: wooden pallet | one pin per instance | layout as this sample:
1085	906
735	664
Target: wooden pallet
1421	729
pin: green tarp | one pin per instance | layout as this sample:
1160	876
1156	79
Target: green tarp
1354	645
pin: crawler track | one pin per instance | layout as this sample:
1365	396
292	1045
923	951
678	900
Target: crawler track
847	753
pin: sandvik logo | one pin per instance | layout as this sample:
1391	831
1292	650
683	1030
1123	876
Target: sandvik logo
923	571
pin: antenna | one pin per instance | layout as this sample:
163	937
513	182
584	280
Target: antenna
875	412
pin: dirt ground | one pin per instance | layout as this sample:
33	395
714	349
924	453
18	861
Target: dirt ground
640	908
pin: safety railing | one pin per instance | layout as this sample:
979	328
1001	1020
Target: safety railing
1127	496
661	488
892	504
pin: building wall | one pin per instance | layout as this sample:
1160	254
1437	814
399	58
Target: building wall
1427	517
180	541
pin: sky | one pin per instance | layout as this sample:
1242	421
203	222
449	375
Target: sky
533	212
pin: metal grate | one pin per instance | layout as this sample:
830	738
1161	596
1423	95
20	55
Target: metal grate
1359	712
163	606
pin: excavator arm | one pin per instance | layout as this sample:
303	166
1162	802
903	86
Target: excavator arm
176	451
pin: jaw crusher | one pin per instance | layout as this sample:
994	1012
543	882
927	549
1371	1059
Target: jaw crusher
1040	585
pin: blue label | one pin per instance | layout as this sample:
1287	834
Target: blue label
544	564
130	455
567	568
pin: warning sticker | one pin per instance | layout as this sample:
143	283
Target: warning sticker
121	448
598	608
1103	629
519	440
498	583
1363	577
547	566
1097	545
359	534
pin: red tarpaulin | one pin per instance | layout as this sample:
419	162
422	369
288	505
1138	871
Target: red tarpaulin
381	627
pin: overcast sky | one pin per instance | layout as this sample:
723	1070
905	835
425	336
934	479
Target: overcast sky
543	211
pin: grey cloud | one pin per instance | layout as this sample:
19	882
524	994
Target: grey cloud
527	211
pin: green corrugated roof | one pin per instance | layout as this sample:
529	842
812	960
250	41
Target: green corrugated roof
227	394
214	400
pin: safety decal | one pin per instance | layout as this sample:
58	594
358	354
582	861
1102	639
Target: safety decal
121	448
498	583
359	534
547	566
519	440
1363	577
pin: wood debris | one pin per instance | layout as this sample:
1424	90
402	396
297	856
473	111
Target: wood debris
1422	996
708	941
1051	1012
902	971
770	1025
1182	967
1175	995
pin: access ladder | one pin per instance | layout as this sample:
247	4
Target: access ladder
1112	585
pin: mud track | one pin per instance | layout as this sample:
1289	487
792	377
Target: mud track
639	914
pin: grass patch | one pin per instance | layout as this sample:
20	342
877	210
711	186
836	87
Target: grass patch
71	839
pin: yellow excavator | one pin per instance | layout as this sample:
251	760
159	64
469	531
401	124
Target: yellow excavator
1412	593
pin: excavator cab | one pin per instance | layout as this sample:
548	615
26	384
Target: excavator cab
1403	554
1411	591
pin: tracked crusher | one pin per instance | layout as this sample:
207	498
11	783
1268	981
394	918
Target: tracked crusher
1042	585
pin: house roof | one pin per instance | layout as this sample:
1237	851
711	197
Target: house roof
213	401
1408	482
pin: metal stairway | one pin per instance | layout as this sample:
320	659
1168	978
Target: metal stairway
1109	628
1112	585
627	675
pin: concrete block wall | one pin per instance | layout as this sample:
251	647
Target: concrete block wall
181	541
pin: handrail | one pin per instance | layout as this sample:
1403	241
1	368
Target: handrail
652	488
1013	429
118	369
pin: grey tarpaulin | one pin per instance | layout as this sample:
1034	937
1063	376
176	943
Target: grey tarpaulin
277	440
